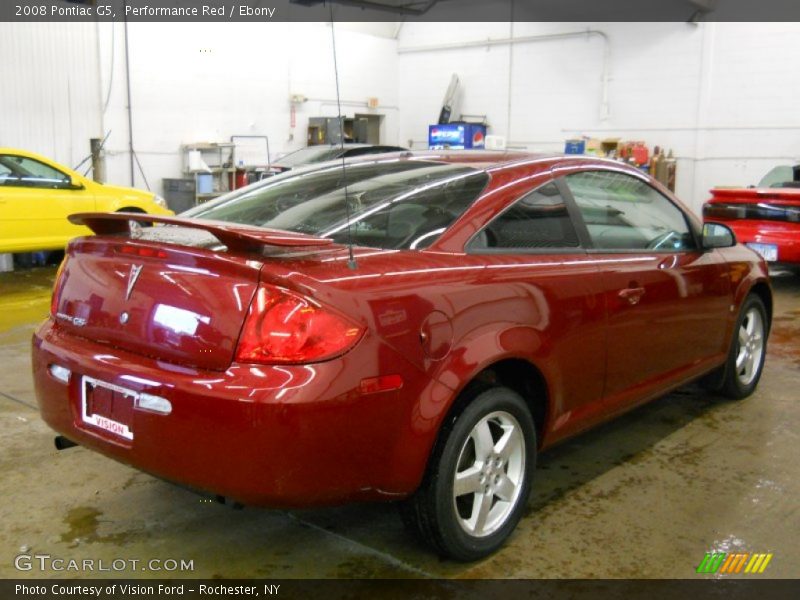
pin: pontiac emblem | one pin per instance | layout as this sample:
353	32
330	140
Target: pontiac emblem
132	277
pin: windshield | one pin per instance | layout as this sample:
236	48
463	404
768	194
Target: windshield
310	155
781	177
776	177
398	204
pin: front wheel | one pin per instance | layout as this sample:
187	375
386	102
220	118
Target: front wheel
748	350
478	479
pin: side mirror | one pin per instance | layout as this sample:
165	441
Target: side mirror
717	235
74	185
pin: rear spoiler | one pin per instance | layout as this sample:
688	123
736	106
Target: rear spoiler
237	238
789	196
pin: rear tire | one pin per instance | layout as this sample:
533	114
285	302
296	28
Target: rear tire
742	371
479	478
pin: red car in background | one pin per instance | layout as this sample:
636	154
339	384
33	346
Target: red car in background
766	218
413	327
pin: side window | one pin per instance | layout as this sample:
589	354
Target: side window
538	220
5	173
25	172
622	212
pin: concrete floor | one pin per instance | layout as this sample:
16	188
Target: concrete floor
645	496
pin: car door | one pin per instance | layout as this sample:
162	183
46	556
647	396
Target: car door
35	201
548	289
666	299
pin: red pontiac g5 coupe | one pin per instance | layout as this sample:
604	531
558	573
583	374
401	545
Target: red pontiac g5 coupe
495	304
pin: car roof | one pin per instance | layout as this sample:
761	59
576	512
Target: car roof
323	148
493	159
478	159
41	158
489	161
347	146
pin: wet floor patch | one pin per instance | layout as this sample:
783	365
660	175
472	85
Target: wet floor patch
784	339
25	296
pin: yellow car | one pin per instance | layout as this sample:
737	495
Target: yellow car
37	195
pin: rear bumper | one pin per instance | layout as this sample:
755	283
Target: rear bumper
786	236
279	436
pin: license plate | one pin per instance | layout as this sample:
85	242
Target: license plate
107	406
768	251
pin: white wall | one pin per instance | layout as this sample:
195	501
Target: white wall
49	101
206	81
64	83
722	95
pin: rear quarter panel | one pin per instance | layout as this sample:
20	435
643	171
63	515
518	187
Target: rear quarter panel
451	316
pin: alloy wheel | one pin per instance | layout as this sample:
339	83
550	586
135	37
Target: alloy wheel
489	474
751	346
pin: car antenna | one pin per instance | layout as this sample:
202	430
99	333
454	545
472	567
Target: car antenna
351	261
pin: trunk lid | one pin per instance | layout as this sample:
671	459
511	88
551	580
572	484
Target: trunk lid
787	196
180	304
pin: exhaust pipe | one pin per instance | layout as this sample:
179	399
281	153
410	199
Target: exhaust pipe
228	502
63	443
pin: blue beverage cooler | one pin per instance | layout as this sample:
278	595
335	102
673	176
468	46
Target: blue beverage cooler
456	136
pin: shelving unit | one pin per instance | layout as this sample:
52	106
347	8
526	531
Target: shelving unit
219	156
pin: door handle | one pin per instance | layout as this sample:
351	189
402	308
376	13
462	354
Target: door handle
668	263
632	294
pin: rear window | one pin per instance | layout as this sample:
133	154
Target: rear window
781	177
392	204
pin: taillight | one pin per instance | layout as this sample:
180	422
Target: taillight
724	211
57	288
284	327
142	251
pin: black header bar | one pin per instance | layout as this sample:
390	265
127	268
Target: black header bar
444	11
436	589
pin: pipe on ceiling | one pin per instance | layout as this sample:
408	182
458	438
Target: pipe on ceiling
530	39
